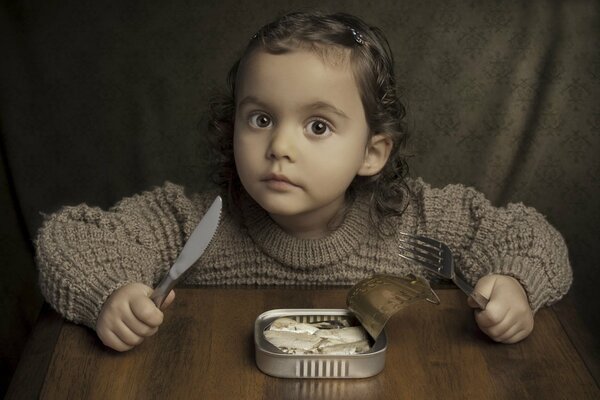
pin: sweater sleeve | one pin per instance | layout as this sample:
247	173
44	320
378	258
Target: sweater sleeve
514	240
85	253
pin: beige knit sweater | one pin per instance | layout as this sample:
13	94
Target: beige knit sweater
85	253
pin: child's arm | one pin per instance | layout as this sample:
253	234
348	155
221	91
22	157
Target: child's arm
513	247
84	254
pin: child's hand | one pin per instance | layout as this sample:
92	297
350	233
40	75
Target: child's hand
507	317
129	316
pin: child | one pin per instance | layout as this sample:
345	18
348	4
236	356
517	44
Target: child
315	187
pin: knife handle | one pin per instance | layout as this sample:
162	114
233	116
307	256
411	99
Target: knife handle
161	292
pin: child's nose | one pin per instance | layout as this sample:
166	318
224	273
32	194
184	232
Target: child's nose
282	145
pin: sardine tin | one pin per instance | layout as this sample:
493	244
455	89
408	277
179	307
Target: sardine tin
272	361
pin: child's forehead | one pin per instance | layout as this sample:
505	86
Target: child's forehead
330	55
299	66
296	80
262	62
335	56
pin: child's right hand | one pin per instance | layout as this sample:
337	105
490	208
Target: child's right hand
128	316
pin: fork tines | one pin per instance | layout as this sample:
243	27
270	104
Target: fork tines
422	250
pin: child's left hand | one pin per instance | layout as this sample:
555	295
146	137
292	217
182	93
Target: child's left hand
507	317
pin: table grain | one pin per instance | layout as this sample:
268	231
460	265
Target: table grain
205	349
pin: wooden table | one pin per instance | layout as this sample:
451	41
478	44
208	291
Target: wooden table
205	349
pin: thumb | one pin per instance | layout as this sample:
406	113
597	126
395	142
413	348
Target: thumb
168	300
142	288
484	287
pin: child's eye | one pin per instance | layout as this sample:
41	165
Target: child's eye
260	120
319	128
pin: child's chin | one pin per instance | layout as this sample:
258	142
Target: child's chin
280	210
276	203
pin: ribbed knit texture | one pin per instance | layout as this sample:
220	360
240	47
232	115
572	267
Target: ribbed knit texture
85	253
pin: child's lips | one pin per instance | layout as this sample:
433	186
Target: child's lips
278	182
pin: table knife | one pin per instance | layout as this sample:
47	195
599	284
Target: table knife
191	252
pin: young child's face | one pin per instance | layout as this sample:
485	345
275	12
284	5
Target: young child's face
300	136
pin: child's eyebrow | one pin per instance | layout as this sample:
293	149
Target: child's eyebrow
318	105
251	100
322	105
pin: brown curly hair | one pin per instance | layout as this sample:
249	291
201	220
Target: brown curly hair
373	67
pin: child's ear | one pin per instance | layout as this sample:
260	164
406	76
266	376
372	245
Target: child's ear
376	154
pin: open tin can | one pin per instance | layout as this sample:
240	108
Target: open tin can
273	361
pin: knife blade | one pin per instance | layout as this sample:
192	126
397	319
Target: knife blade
191	252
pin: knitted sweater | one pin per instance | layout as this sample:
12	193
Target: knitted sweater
85	253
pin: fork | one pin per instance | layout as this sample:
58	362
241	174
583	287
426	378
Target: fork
436	257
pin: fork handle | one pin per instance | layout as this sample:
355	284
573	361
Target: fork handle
468	290
480	299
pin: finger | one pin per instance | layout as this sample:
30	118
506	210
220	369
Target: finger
505	329
493	315
472	302
168	300
477	301
146	311
517	337
496	331
509	333
111	340
137	326
485	285
126	335
526	329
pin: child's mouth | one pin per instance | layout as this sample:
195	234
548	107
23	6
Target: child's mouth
278	182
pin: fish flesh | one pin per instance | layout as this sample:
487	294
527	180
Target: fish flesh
291	325
336	337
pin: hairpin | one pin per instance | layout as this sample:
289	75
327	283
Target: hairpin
357	36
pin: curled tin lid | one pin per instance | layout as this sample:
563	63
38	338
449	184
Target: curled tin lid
374	300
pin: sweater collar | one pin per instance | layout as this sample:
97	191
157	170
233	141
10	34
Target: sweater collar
306	253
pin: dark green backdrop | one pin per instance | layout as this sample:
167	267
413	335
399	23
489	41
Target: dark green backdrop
102	99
